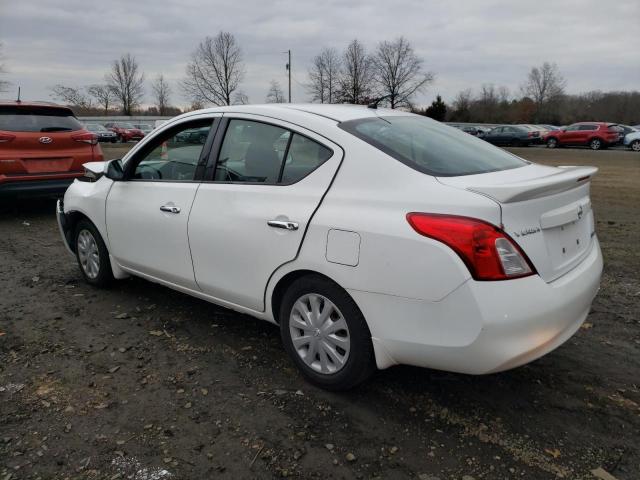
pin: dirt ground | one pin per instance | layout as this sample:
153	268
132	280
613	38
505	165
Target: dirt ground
143	382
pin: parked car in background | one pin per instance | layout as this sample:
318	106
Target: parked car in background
632	140
509	135
292	214
470	129
125	131
42	148
595	135
537	133
624	131
550	127
194	135
146	128
103	133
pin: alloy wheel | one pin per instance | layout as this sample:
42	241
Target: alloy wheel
595	144
88	254
319	333
635	146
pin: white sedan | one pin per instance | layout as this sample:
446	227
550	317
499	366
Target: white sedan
372	237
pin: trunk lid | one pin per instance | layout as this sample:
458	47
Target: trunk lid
546	210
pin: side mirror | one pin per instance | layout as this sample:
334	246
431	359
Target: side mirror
114	170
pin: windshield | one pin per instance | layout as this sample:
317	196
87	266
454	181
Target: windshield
95	128
37	119
431	147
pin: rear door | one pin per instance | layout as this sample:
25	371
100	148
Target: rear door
42	140
571	135
250	216
148	211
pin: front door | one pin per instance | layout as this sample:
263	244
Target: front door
147	212
252	214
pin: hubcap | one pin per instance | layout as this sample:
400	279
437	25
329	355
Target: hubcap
595	144
88	254
551	143
319	333
636	146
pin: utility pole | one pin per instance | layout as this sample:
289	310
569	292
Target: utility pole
289	70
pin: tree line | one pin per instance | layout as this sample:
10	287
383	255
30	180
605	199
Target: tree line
541	99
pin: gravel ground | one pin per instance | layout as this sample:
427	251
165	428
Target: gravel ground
143	382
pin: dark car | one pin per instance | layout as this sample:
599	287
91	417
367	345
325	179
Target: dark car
193	135
511	135
104	134
42	148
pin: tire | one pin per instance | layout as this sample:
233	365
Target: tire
92	255
596	144
351	345
635	146
515	142
122	139
552	142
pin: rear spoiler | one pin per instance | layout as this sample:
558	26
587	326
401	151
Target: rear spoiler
566	179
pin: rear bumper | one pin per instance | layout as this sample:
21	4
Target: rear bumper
64	226
26	186
483	327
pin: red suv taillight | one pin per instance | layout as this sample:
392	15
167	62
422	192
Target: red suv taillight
87	137
487	251
6	137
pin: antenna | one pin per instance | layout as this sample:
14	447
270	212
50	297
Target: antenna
18	100
375	103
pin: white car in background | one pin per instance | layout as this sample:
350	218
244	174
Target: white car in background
372	237
632	141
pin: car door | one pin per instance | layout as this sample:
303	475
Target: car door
264	182
495	136
147	212
570	135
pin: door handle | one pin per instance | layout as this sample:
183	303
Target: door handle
170	209
283	224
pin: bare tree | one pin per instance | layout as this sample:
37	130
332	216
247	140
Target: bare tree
240	98
324	76
545	86
398	72
4	84
357	74
103	95
462	106
215	70
73	96
127	82
275	93
161	93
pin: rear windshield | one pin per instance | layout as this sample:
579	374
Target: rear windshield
431	147
37	119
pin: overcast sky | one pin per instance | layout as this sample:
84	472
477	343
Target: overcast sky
465	43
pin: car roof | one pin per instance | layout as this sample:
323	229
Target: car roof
335	112
20	103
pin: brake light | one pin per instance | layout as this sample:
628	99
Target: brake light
90	138
6	137
487	251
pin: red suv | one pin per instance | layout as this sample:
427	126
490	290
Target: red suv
595	135
125	131
42	147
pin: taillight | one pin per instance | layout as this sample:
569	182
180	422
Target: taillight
6	137
90	138
487	251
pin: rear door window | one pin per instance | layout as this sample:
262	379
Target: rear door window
431	147
37	119
588	127
303	157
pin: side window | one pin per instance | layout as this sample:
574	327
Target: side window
174	155
588	127
251	152
572	128
303	157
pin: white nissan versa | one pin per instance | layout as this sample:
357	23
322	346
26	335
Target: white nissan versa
373	237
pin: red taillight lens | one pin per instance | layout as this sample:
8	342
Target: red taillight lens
487	251
87	137
6	137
